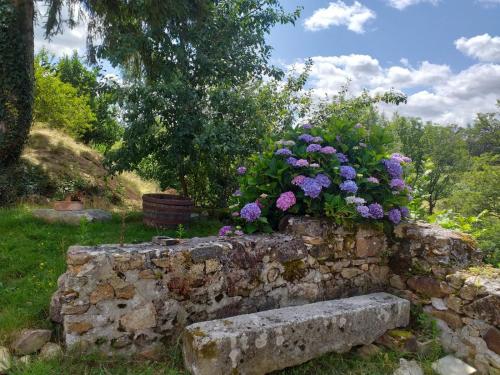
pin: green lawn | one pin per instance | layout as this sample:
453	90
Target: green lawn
32	256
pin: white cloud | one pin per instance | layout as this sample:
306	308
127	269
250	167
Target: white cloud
481	47
489	3
402	4
436	93
339	13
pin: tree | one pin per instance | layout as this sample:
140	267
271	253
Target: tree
484	134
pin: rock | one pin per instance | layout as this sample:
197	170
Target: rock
101	293
25	360
427	347
30	341
369	243
50	351
452	319
454	303
271	340
397	282
427	286
408	368
5	359
486	308
492	338
71	217
78	327
349	273
367	351
438	304
142	318
451	365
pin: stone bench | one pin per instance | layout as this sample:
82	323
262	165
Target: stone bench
270	340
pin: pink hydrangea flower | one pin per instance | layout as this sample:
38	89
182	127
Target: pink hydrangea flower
286	200
302	163
298	180
328	150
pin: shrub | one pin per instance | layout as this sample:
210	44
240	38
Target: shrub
338	169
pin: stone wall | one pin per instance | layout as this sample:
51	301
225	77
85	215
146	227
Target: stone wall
135	298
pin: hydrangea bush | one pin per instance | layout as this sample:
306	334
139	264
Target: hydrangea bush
337	169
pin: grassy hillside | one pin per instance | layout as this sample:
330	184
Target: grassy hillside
60	159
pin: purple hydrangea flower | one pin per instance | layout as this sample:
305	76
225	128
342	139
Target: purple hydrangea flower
393	168
313	147
394	215
397	184
342	157
308	138
410	197
317	139
349	186
239	232
328	150
348	172
241	170
235	214
237	193
376	211
298	180
225	230
400	158
311	187
283	152
291	161
373	180
405	212
355	200
250	212
364	211
323	180
301	163
286	200
307	126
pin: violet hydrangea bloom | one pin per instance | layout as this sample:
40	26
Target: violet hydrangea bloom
400	158
348	172
342	157
376	211
311	187
364	211
349	186
283	152
313	147
405	212
393	168
241	170
397	184
323	180
307	126
308	138
239	232
250	212
394	215
317	139
373	180
225	230
301	163
237	193
286	200
328	150
291	161
298	180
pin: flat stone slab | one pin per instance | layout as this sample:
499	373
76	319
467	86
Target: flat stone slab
451	365
71	217
275	339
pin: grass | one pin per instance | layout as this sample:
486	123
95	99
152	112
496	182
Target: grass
32	256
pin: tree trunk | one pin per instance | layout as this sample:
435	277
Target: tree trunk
16	77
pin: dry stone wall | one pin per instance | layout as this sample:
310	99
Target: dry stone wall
136	298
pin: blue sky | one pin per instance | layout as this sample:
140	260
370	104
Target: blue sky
444	54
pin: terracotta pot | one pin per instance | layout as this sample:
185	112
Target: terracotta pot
68	206
166	210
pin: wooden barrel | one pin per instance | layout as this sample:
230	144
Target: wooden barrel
166	210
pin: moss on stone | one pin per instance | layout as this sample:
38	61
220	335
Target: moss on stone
294	270
209	350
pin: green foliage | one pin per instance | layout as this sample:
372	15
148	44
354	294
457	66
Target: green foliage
484	134
58	103
270	175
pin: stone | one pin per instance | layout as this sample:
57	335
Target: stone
5	360
78	327
454	303
369	243
25	360
71	217
349	273
50	351
30	341
212	265
164	240
408	368
397	282
427	286
438	304
271	340
452	319
139	319
101	293
486	308
451	365
492	338
367	351
125	292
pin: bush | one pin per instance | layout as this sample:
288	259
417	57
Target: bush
336	169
